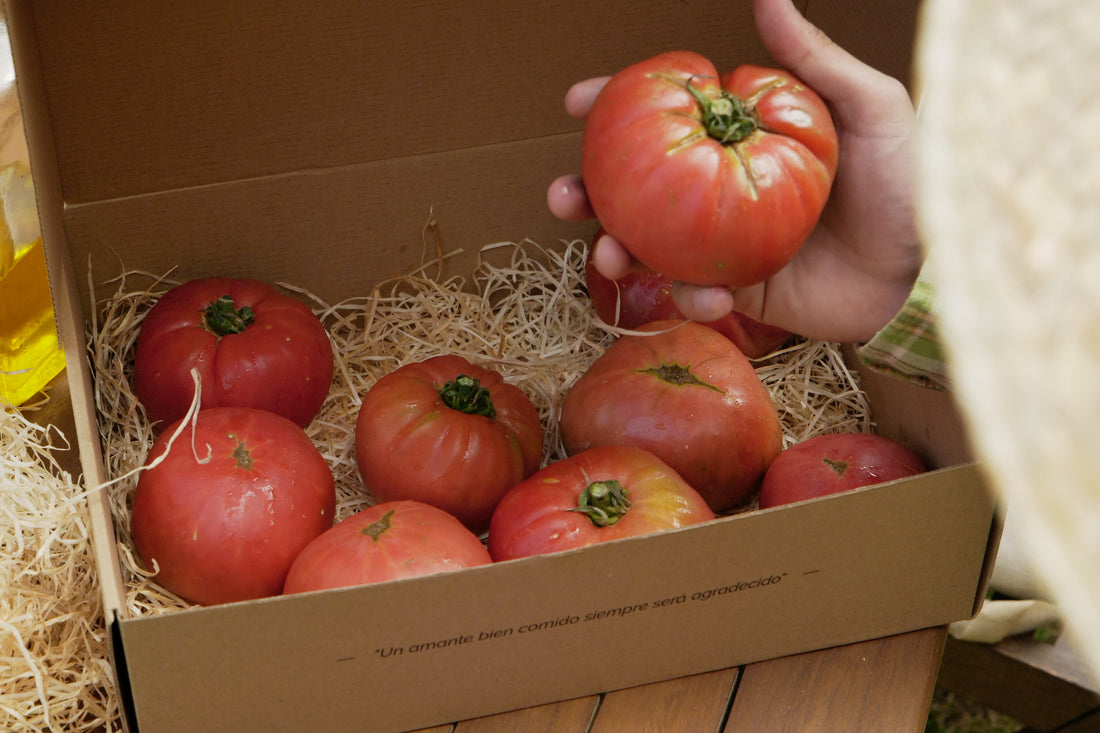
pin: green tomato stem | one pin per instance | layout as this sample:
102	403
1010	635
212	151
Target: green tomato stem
725	117
222	317
466	394
603	502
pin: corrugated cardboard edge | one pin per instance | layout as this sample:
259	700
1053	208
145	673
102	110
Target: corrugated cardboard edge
70	325
70	319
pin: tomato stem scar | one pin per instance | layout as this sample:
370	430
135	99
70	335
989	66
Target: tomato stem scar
242	455
678	375
376	529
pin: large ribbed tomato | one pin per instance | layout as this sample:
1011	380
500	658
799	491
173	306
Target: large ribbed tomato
448	433
643	296
596	495
395	539
685	393
252	345
714	180
231	504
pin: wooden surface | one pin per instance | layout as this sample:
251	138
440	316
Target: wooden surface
875	686
1044	686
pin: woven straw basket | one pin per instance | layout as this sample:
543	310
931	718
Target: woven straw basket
1010	209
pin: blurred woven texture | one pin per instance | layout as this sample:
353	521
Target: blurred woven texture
1009	189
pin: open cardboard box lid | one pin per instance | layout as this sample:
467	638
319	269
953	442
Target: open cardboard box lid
310	144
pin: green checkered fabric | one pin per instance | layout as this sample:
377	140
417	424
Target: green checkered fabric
908	347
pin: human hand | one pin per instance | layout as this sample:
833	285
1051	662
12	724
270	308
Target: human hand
859	264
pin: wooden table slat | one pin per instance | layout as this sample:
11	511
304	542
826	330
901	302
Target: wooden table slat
569	716
1088	724
697	703
879	685
1044	686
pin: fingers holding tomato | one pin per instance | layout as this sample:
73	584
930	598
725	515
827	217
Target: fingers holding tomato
710	180
642	296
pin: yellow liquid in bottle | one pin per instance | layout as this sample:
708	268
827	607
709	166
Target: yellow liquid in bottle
30	355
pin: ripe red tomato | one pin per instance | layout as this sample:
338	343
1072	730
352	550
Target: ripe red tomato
398	539
597	495
830	464
641	297
448	433
253	346
710	180
228	528
685	393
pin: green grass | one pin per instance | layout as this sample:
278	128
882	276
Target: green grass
953	714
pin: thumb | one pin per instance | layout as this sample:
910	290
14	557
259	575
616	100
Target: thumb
846	83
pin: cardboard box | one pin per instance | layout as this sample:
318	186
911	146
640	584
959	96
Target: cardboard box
303	143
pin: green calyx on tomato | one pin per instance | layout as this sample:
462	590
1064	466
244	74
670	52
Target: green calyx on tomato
222	317
725	118
466	395
678	375
604	502
376	529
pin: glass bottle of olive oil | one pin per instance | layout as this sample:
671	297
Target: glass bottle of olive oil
30	354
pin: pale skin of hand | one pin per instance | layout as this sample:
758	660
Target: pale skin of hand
858	267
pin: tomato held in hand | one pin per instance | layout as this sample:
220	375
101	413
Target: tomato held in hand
228	528
252	345
830	464
597	495
448	433
398	539
685	393
643	296
710	180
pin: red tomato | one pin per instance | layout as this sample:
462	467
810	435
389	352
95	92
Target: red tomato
829	464
253	346
397	539
448	433
597	495
710	180
685	393
228	528
641	297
